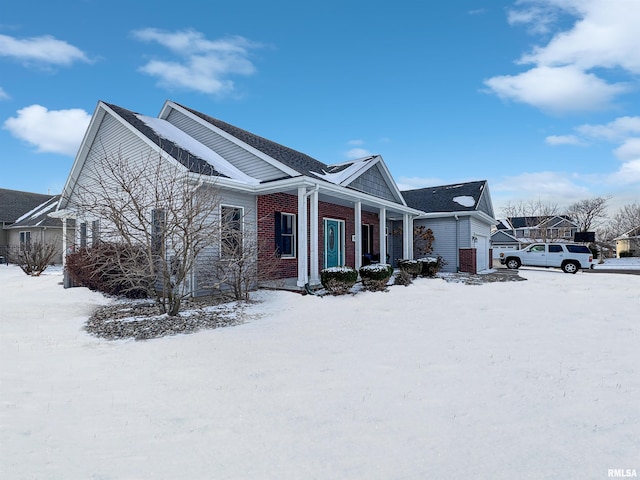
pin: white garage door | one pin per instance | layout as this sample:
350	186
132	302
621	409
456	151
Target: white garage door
482	253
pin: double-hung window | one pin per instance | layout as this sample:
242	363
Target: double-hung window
25	241
231	231
285	234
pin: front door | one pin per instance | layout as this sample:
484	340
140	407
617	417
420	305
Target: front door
333	243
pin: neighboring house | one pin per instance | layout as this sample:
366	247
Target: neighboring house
539	229
629	242
24	220
316	215
501	241
461	217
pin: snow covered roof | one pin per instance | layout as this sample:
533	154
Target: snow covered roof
341	172
15	203
193	162
446	198
167	131
39	215
298	161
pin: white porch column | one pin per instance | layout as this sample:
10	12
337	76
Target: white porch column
303	272
315	273
383	237
407	237
64	242
357	215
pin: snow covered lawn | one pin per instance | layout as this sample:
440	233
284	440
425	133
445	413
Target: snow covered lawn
537	379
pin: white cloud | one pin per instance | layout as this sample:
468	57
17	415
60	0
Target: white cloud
617	130
43	50
355	142
563	140
606	35
602	38
55	131
629	150
411	183
544	185
3	95
557	89
627	174
358	153
203	65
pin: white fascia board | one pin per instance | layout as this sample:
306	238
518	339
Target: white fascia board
377	160
485	191
83	151
473	213
62	213
304	181
164	113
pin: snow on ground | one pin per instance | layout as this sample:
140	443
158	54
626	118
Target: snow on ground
536	379
629	263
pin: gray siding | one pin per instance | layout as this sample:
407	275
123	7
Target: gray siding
484	204
444	232
479	227
205	274
372	182
245	161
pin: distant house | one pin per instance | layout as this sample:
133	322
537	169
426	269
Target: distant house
539	229
461	217
24	218
501	241
629	243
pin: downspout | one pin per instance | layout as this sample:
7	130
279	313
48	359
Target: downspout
457	243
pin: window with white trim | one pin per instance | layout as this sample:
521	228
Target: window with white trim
285	234
25	241
231	231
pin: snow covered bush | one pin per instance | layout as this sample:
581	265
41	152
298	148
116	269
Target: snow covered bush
376	276
402	278
411	267
430	266
338	280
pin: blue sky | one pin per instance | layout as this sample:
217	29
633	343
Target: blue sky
539	97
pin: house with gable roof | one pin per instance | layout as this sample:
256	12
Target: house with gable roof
461	217
24	220
315	215
629	243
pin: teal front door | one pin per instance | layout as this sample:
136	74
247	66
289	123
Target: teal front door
333	243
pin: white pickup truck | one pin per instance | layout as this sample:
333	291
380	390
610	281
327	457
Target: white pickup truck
570	257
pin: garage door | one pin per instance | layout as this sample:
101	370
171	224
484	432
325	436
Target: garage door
482	253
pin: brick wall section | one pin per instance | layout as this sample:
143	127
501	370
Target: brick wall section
283	202
468	260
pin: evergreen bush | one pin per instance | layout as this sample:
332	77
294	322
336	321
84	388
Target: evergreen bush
412	267
376	276
338	280
430	266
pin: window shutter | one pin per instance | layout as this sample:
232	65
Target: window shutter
278	232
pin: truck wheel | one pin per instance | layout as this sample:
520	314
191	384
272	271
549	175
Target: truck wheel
513	263
570	267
